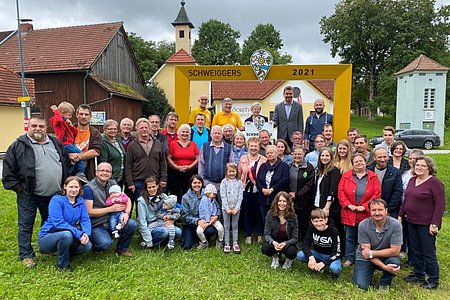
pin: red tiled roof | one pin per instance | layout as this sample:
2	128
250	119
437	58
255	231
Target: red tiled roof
325	86
244	90
54	49
11	87
181	57
253	90
422	63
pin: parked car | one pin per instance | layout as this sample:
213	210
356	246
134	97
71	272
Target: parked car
376	140
419	138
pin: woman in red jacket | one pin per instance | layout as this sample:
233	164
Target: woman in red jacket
356	188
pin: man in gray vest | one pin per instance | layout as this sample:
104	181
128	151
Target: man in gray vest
95	194
35	167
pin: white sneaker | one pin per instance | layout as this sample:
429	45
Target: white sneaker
287	264
275	263
116	235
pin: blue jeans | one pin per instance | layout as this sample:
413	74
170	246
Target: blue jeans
363	272
252	214
27	207
335	266
190	237
160	234
80	165
114	219
423	248
101	238
64	243
138	185
351	239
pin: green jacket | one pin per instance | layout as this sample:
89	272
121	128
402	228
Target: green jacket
110	154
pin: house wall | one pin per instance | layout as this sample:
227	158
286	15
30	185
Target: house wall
165	79
410	100
116	107
117	63
11	120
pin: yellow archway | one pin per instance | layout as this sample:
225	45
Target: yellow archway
342	74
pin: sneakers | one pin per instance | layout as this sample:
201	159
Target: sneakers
413	278
82	177
202	245
125	253
429	285
287	264
227	249
383	288
347	263
260	239
28	263
248	240
219	245
171	245
65	269
275	263
115	234
236	248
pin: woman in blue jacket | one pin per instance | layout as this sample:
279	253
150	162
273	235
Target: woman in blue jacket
68	226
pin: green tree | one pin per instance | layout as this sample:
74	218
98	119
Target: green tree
157	102
379	37
216	44
266	37
150	55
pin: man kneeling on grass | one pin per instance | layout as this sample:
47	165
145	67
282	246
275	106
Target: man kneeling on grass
380	239
321	246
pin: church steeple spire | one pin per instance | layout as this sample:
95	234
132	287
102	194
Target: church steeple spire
182	30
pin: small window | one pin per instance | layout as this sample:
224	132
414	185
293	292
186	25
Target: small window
405	125
439	74
428	98
422	74
428	125
181	34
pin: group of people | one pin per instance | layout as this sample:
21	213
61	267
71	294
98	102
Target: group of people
301	190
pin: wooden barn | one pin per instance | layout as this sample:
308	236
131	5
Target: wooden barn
90	64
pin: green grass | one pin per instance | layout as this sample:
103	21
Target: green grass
208	274
160	274
371	128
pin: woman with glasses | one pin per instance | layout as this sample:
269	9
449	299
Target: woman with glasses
424	207
112	151
313	156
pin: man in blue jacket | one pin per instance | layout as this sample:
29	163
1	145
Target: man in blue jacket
315	122
35	167
390	179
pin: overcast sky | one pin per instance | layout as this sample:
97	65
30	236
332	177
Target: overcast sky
297	20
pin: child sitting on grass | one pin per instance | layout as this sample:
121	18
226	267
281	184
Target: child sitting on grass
321	246
66	133
115	219
208	211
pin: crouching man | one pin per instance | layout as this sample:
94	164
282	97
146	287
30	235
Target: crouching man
380	239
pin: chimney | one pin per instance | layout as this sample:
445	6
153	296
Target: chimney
26	28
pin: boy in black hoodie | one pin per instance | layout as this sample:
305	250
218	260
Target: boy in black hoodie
321	246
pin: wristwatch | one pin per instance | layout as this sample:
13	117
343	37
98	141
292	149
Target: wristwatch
370	254
434	225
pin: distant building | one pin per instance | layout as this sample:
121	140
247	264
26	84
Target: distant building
11	114
421	88
90	64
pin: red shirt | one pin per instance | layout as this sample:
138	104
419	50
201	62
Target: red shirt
170	137
183	156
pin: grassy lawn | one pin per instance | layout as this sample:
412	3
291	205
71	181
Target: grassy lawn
207	274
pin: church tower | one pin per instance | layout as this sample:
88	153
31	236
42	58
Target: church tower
182	30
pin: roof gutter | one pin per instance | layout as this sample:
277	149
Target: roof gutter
6	38
84	87
102	100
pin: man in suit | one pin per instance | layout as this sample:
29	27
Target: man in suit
288	116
